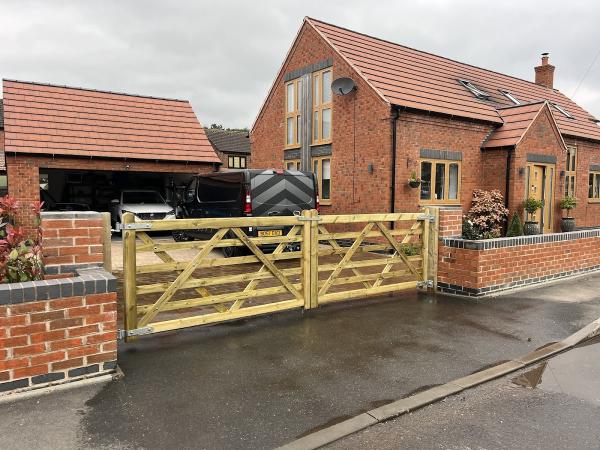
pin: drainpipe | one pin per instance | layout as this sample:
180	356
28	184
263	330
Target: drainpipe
394	121
508	161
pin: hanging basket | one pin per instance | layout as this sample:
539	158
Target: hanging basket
414	183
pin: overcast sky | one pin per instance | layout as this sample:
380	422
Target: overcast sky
223	55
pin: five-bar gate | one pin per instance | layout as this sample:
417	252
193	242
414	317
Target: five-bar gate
315	260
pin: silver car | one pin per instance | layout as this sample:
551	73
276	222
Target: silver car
145	204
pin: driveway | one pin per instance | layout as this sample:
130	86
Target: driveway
263	382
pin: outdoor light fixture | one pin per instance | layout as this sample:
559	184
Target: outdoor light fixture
562	173
370	168
521	171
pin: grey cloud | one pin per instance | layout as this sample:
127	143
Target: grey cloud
223	55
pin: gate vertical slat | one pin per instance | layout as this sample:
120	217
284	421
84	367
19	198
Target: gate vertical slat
314	258
129	275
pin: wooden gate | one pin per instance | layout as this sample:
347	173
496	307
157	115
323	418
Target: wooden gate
315	260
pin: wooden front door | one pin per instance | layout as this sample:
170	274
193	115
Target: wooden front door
541	187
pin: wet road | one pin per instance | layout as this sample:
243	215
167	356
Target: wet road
555	404
263	382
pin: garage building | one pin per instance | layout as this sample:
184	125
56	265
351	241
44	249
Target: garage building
84	146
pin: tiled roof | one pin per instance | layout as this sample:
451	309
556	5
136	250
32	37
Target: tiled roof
414	79
59	120
227	141
517	120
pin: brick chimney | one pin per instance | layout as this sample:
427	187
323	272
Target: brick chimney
544	74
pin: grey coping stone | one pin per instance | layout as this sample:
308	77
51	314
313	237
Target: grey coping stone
332	433
94	280
80	371
55	215
16	384
109	365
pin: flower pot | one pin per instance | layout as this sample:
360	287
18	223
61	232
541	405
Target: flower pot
567	224
414	183
531	228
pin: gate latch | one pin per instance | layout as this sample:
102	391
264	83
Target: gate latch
122	334
425	284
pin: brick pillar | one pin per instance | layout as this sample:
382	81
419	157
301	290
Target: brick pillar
23	185
450	222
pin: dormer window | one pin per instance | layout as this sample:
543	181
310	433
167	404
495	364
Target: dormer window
562	111
475	90
511	97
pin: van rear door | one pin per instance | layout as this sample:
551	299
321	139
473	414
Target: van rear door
282	193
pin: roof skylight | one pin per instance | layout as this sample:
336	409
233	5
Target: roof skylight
475	90
562	110
511	97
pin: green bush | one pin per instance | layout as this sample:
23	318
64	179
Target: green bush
531	205
568	203
470	231
515	227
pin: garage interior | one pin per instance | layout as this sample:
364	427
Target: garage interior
96	188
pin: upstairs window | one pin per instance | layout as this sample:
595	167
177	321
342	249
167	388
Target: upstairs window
511	97
562	110
475	90
293	127
321	132
570	172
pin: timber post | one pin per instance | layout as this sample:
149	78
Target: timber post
129	272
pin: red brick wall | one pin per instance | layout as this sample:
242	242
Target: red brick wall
360	134
23	174
477	271
52	340
450	222
72	242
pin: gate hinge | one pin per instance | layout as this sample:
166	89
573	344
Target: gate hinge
134	226
429	217
122	334
425	284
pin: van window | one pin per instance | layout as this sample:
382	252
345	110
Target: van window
219	189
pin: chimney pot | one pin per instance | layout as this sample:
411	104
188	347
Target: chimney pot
544	74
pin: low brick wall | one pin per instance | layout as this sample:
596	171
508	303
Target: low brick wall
57	330
477	268
72	240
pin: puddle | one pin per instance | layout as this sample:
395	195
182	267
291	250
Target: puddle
575	373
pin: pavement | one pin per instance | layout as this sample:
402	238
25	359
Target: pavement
263	382
555	404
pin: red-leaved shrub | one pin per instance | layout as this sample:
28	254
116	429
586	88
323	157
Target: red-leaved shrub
20	257
488	213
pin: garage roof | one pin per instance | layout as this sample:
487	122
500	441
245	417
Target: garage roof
61	120
229	141
415	79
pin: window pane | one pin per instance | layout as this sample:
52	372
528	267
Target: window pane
316	126
243	162
326	179
453	182
290	97
326	87
290	165
298	130
425	181
316	99
236	162
591	188
326	124
440	179
290	130
230	161
597	186
567	183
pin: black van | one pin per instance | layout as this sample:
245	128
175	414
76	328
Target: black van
246	193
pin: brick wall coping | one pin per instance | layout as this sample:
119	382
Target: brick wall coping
88	281
56	215
487	244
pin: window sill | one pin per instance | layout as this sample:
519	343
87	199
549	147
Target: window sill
325	203
440	203
594	200
292	147
316	144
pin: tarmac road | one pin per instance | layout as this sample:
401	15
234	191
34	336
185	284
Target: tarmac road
263	382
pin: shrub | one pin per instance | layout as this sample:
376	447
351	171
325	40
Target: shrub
568	203
515	226
531	205
20	257
470	231
488	213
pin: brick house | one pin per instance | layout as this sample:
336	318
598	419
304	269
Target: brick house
85	145
232	146
457	127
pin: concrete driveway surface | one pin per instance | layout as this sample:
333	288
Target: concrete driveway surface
263	382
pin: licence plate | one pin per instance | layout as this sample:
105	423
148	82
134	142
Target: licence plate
267	233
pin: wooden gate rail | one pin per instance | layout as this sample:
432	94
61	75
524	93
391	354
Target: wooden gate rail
340	257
